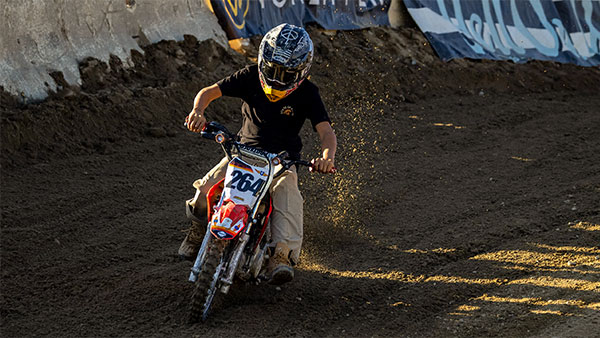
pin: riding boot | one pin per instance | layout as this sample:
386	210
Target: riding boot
278	269
195	234
192	241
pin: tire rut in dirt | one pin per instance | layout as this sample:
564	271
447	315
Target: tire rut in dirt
206	285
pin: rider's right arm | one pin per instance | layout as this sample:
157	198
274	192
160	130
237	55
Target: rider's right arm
195	119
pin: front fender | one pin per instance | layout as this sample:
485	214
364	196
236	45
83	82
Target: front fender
229	220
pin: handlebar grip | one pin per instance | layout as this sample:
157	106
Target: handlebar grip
304	163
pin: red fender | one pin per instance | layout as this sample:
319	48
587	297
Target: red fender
229	221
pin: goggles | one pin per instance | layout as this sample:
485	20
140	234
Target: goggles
276	94
279	77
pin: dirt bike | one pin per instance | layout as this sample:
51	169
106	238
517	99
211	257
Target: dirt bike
239	206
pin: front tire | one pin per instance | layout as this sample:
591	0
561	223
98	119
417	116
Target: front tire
206	285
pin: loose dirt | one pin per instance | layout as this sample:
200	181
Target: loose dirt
467	201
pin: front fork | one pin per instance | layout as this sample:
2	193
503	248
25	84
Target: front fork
200	257
227	280
233	263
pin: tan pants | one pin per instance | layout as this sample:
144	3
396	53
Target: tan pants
286	218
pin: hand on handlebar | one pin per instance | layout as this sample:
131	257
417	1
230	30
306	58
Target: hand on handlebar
324	166
195	121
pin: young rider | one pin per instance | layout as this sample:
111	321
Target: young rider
277	99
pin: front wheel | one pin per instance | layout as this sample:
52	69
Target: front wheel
208	278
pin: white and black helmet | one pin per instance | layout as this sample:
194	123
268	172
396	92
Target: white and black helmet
284	57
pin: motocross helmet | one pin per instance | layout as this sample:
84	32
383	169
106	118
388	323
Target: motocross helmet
284	59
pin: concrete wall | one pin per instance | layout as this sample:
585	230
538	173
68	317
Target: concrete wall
41	36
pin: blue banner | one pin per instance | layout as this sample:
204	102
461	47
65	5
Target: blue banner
561	30
246	18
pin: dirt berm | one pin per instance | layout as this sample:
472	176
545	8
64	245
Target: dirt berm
467	200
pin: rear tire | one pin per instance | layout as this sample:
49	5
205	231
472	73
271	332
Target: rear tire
206	285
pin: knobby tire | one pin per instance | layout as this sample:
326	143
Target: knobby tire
207	282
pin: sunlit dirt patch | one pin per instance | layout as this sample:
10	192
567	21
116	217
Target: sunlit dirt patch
398	276
464	280
465	310
563	257
540	302
592	250
563	283
400	303
420	251
541	281
587	226
487	303
447	125
523	159
551	312
538	269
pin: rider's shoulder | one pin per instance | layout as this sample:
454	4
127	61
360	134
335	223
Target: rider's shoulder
248	70
251	69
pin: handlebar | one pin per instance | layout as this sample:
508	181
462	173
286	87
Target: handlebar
219	133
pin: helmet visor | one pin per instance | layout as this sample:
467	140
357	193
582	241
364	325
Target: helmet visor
278	76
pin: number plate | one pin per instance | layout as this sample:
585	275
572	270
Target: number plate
243	182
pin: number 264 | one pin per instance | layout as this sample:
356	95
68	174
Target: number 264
244	182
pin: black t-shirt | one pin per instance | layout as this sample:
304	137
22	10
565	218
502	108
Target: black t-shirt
273	126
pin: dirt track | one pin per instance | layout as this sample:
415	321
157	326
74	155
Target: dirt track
467	201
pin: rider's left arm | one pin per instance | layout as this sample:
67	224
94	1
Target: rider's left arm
328	145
